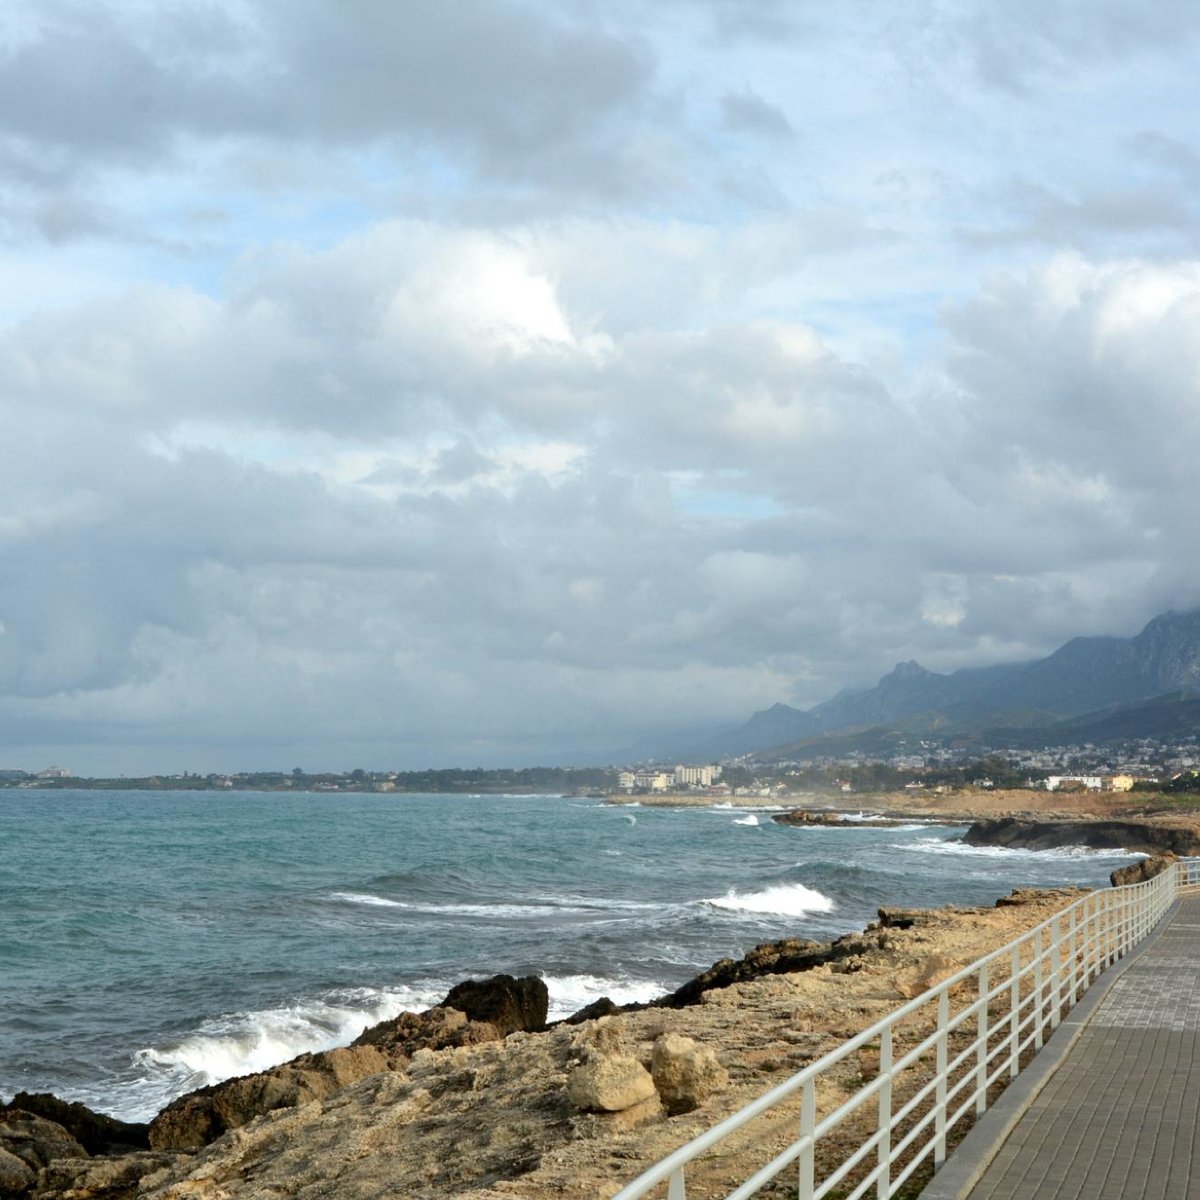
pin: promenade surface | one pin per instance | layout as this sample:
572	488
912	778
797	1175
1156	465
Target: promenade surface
1119	1116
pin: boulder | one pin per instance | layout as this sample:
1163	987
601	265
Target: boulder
434	1029
95	1132
16	1175
34	1140
604	1007
512	1005
685	1074
609	1083
902	918
1142	870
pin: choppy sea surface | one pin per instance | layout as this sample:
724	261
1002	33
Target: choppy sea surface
151	943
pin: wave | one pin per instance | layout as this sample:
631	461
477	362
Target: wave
570	993
942	846
242	1043
749	820
535	906
364	898
786	900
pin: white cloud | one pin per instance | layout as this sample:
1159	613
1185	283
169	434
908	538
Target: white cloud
365	385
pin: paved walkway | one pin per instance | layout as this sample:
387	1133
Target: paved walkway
1119	1117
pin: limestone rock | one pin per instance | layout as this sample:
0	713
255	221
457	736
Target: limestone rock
1144	869
604	1007
770	958
16	1175
95	1132
1138	837
609	1083
685	1073
512	1005
202	1116
116	1176
34	1140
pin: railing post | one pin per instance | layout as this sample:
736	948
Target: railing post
676	1188
883	1182
1076	958
943	1048
1056	972
981	1054
1039	991
1014	1016
808	1122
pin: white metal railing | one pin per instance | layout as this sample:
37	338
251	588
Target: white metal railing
931	1063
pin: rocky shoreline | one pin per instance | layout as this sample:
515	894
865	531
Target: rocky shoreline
478	1098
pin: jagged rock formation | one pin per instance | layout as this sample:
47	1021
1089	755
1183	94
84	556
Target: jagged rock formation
1143	870
1138	837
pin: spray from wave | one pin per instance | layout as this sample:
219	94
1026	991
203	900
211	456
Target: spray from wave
785	900
243	1043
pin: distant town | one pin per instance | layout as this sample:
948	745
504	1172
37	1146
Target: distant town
1141	764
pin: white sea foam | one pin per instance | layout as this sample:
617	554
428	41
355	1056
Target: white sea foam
364	898
961	849
786	900
570	993
242	1043
749	820
460	910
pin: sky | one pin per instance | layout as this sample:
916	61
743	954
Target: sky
492	382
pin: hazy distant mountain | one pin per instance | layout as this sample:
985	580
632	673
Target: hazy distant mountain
1085	675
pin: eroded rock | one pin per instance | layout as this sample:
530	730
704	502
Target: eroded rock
95	1132
34	1140
1144	869
16	1175
609	1083
685	1073
770	958
511	1005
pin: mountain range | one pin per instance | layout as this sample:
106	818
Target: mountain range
1102	681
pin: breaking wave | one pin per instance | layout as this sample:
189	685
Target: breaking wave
785	900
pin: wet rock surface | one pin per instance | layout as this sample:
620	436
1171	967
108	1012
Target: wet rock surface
1138	837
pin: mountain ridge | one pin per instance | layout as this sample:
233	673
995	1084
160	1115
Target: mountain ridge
1085	675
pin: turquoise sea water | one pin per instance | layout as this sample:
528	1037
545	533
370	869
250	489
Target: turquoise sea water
154	942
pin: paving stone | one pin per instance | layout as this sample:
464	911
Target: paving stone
1120	1118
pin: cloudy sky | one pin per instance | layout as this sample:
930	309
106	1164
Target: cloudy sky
489	382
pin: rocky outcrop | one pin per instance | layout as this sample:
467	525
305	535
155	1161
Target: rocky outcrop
808	816
511	1005
29	1144
95	1132
474	1012
1141	871
770	958
1138	837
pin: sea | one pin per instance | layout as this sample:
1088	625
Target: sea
155	942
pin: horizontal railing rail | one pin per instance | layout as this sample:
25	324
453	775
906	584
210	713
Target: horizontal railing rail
887	1103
